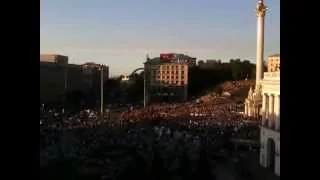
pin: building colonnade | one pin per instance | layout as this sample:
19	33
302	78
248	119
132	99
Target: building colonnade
271	111
252	109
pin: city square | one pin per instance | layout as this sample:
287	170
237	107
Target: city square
172	117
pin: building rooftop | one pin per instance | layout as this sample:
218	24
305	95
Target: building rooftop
158	61
52	55
275	55
154	61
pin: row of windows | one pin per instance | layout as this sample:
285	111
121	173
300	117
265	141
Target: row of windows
174	82
172	72
164	90
172	67
169	72
275	66
171	81
168	77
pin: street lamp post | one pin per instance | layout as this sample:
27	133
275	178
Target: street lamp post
144	88
101	91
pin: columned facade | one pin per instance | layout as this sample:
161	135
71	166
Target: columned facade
270	111
270	129
264	109
277	112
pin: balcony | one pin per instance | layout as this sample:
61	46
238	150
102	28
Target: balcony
271	76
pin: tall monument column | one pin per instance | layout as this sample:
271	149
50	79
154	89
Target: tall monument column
261	12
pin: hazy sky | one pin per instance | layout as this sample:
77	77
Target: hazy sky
120	33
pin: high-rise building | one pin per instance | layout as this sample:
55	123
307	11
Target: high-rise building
57	77
53	81
165	81
54	58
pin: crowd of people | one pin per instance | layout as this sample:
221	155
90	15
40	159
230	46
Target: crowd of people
232	86
222	112
161	141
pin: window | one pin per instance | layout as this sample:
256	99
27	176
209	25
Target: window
168	77
182	77
182	82
177	82
168	72
182	72
172	77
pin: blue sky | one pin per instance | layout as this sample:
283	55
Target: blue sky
120	33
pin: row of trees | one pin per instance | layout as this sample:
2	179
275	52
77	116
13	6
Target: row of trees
207	75
240	69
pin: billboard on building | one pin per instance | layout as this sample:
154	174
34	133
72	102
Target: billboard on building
167	57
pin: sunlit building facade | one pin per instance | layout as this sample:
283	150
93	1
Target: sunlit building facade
274	63
165	82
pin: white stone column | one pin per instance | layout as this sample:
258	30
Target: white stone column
249	109
277	112
253	110
277	159
246	108
263	152
267	109
264	109
261	9
271	110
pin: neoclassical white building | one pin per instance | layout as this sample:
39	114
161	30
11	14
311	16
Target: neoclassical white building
270	128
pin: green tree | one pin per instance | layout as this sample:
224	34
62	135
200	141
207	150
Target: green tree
135	90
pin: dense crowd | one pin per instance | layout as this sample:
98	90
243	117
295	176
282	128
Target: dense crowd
231	86
162	141
222	112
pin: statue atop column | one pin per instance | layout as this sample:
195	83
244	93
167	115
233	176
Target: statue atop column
261	9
